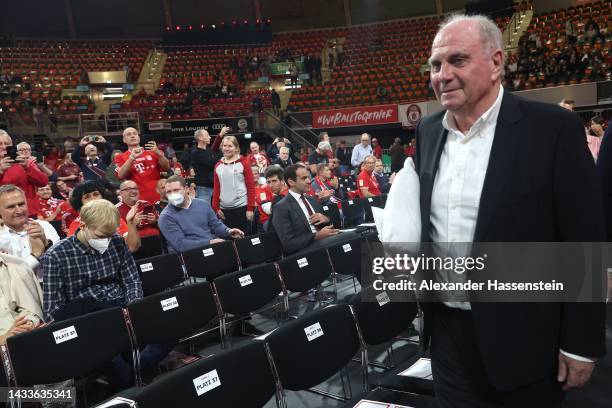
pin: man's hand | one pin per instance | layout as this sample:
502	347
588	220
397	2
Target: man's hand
25	162
224	130
133	216
21	325
573	373
220	214
249	215
236	233
152	146
326	232
5	164
136	152
325	193
72	177
392	177
151	218
216	240
318	219
38	240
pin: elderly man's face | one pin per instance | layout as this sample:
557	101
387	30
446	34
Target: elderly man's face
91	151
14	210
5	141
24	151
129	193
283	154
44	192
462	74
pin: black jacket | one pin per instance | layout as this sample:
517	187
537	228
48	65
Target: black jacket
291	225
203	163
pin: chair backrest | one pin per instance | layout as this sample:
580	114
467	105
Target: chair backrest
160	272
346	257
306	270
352	210
367	204
72	348
379	201
149	246
309	350
248	290
239	377
333	212
211	261
258	249
382	315
169	316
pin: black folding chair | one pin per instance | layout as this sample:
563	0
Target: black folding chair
304	271
347	258
258	249
160	272
176	315
379	201
72	348
211	261
353	212
150	246
367	204
239	377
246	292
311	349
333	212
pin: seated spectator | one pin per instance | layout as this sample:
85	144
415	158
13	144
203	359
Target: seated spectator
130	194
94	270
163	201
283	160
321	185
49	207
334	167
93	190
343	154
269	195
93	166
22	172
376	148
366	181
69	172
274	148
176	168
187	222
21	236
257	158
384	182
234	190
320	155
297	218
141	164
20	297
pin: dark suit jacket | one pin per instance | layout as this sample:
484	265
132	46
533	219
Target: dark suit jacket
291	225
540	186
604	166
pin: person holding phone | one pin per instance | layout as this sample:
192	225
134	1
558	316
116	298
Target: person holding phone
141	164
93	166
130	197
21	171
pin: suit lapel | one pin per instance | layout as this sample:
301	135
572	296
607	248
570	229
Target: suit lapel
428	170
298	211
499	169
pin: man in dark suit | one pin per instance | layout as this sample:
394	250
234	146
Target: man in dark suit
297	218
497	168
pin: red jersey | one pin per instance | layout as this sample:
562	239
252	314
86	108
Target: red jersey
263	195
145	228
46	208
259	160
121	230
28	179
368	180
144	172
377	151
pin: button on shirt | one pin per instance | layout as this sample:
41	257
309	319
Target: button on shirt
304	209
459	181
18	243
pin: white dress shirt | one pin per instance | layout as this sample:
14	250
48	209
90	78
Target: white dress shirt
304	210
359	154
18	243
458	186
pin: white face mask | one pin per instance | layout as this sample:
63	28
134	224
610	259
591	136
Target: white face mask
99	244
176	199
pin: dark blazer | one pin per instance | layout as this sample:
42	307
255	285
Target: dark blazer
540	186
604	166
291	225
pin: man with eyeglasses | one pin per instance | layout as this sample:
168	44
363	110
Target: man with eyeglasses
130	197
21	172
360	151
368	185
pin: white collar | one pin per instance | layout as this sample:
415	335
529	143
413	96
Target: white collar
489	117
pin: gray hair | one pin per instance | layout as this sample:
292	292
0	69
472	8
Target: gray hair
5	133
9	188
324	146
283	149
490	34
199	132
24	144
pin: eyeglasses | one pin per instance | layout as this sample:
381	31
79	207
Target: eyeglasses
130	189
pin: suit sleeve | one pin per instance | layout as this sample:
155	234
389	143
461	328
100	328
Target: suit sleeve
579	214
288	234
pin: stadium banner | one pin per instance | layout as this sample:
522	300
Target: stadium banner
358	116
239	125
411	113
282	68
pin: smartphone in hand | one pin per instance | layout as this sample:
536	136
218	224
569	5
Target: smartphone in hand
11	151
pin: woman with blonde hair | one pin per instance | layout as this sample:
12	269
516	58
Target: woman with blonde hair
234	189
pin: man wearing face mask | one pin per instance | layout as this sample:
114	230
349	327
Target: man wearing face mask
189	223
91	270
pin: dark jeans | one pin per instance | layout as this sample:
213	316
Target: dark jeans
119	370
236	218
